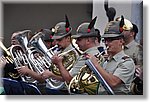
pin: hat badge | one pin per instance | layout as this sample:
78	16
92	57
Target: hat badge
55	29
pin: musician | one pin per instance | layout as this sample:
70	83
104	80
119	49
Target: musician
9	68
119	70
47	38
135	51
62	35
85	39
24	70
132	48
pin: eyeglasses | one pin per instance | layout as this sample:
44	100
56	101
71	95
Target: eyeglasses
111	39
80	38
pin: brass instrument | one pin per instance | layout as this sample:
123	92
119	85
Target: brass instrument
85	82
9	59
69	58
8	55
20	54
88	79
37	42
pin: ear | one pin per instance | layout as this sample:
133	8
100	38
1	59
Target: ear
132	34
122	41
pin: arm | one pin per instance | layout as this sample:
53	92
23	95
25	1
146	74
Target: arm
64	73
48	74
111	79
24	70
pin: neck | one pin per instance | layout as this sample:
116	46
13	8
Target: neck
111	54
128	40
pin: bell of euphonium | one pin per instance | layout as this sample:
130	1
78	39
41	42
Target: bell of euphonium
22	37
7	54
85	82
36	41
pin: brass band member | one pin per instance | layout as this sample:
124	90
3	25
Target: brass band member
135	51
120	68
85	39
9	68
62	35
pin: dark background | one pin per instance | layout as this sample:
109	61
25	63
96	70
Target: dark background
36	16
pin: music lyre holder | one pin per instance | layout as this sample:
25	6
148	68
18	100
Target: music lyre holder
99	76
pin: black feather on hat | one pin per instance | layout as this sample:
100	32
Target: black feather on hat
62	29
121	23
91	25
67	24
86	29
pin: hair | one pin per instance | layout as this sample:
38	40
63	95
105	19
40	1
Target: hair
99	35
135	29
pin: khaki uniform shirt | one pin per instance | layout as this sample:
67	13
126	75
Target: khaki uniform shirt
81	61
122	66
134	50
70	47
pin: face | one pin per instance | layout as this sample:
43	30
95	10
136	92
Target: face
114	45
62	43
14	40
81	42
48	44
127	34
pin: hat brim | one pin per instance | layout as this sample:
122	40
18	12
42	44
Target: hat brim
78	35
56	36
111	35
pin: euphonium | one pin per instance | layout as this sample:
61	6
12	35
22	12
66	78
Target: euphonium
20	56
69	58
37	42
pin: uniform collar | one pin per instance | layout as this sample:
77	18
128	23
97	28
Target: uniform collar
118	56
130	44
68	48
90	49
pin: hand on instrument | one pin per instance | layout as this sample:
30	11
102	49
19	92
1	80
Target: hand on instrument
3	61
93	59
24	70
57	60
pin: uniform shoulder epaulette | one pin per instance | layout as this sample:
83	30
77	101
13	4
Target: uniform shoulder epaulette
125	57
